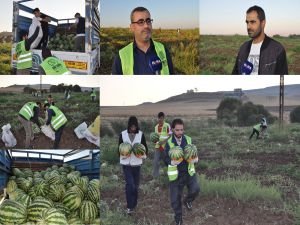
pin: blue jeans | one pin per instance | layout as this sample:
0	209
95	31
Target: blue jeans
132	178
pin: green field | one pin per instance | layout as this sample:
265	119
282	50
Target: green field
5	58
183	47
79	108
218	53
242	181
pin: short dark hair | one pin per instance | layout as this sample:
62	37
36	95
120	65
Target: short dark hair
77	14
176	122
36	10
160	114
137	9
260	12
49	96
133	121
39	104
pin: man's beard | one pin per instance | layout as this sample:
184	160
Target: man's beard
255	34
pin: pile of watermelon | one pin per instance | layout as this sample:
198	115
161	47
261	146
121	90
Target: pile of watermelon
62	42
125	149
58	195
176	154
139	150
154	137
190	152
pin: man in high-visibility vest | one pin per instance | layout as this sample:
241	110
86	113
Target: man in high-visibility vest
23	53
164	131
256	129
143	55
29	113
52	65
58	121
180	174
93	95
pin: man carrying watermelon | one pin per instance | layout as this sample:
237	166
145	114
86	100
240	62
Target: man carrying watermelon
160	137
181	169
132	150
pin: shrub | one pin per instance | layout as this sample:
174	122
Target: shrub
295	115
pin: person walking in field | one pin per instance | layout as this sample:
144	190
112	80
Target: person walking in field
256	130
143	55
131	164
263	54
264	127
58	121
29	113
164	131
180	173
93	95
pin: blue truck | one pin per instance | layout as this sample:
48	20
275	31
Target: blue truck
85	63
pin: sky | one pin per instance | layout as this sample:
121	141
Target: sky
82	153
228	16
134	90
60	9
165	13
81	80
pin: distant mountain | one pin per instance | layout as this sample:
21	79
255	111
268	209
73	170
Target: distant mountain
19	88
289	90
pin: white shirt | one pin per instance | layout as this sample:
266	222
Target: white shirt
254	57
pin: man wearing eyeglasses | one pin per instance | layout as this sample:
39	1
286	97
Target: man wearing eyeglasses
143	56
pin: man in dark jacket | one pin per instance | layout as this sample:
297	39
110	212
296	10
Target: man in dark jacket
261	55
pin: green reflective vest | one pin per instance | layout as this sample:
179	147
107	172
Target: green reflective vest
172	170
127	60
257	127
59	119
54	66
24	58
163	134
27	110
93	94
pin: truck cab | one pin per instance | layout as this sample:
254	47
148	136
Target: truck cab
83	63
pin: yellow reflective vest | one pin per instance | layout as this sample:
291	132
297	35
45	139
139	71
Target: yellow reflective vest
127	59
172	170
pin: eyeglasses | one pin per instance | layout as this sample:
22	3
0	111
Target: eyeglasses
141	22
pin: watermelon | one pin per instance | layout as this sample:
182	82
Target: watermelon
72	200
138	150
12	212
78	190
52	216
176	154
41	189
61	207
11	186
190	152
93	193
75	220
88	212
56	192
36	207
24	200
154	137
95	221
125	149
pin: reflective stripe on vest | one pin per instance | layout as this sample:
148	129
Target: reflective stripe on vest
27	110
163	134
59	119
127	59
24	58
54	66
172	172
191	167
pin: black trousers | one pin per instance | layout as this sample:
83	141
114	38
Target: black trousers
132	178
58	135
254	132
176	191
